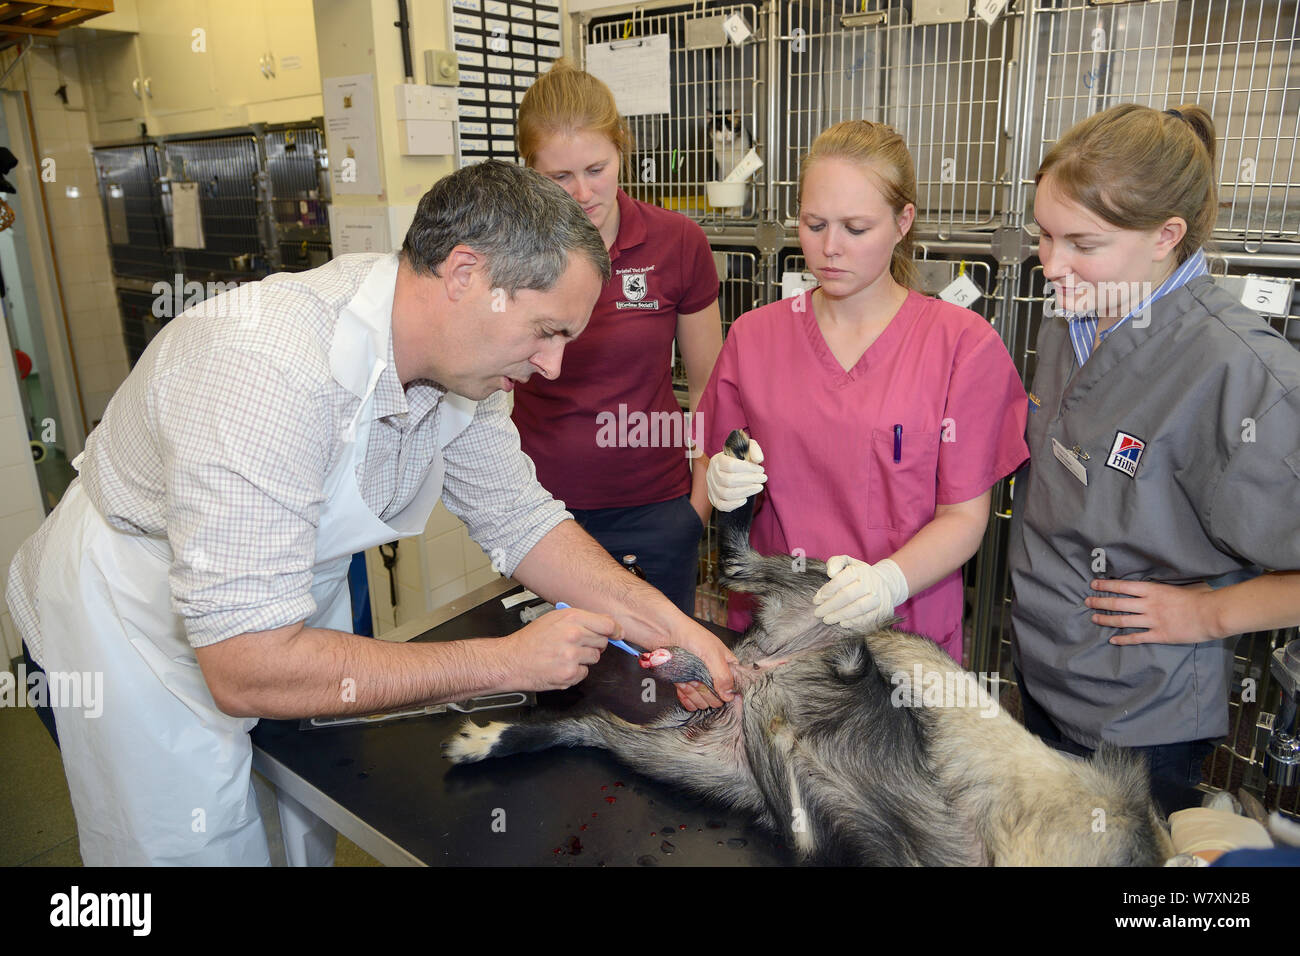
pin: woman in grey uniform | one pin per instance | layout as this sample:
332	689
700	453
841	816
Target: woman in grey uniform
1160	512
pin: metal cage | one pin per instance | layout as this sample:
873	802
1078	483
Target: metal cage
128	189
1236	58
939	85
226	169
263	196
713	92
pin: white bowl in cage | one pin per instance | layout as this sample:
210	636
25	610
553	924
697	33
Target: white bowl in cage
727	195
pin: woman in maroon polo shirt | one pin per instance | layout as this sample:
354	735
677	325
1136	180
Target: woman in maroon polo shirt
608	437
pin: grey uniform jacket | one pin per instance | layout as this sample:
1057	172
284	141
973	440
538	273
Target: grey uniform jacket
1211	395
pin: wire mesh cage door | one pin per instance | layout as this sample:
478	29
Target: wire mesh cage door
1236	58
141	320
226	169
299	195
713	120
129	190
940	85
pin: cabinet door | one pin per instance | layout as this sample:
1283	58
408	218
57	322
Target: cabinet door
238	43
291	39
111	67
177	62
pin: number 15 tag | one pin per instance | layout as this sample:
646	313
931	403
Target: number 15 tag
961	291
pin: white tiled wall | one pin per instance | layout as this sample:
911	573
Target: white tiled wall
20	496
432	569
77	227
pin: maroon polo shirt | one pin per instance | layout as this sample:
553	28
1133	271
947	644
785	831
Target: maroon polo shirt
593	433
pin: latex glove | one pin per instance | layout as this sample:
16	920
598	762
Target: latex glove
1200	829
860	596
732	481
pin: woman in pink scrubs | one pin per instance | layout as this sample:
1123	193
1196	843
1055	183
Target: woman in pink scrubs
884	416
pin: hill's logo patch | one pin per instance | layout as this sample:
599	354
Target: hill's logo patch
1125	453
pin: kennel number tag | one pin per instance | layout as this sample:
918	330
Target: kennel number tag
961	291
737	29
1267	295
990	10
1068	459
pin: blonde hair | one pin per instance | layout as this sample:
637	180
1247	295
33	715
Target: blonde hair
881	150
1136	168
565	100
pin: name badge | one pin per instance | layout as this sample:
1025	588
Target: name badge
1071	461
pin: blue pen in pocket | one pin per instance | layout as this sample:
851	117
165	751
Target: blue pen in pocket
898	444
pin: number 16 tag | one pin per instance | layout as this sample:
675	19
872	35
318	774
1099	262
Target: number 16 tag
1266	295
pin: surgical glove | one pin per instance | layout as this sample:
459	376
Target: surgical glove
1199	829
732	481
860	596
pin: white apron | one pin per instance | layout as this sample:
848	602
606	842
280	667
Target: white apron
162	776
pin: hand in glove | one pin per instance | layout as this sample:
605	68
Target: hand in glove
1200	830
732	481
860	596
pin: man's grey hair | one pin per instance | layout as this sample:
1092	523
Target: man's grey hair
522	222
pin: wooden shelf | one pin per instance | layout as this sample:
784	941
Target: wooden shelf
18	20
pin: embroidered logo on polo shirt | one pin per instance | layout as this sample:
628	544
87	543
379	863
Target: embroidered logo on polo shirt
636	286
1125	453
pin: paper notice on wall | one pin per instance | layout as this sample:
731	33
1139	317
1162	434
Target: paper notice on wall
636	70
351	134
187	220
359	229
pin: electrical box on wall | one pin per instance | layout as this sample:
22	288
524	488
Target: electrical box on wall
416	102
424	120
417	137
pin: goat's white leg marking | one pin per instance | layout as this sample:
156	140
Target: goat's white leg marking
474	742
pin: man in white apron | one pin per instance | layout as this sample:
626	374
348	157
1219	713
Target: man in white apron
199	561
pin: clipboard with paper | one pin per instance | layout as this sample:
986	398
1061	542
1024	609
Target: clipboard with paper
636	71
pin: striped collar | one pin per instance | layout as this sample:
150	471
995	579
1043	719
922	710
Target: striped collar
1083	330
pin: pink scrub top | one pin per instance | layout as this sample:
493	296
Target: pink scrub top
828	436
